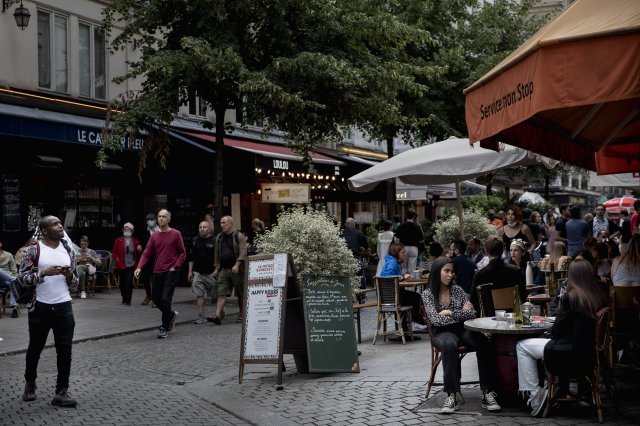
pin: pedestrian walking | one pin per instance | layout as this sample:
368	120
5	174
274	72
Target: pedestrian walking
167	249
201	258
146	274
230	256
49	265
126	255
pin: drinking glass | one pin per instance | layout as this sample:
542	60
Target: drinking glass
510	319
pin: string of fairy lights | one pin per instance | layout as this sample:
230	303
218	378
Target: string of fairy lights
317	181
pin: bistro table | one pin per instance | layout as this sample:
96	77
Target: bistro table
505	340
414	283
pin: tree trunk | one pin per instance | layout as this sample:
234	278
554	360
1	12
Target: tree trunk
218	183
390	184
489	184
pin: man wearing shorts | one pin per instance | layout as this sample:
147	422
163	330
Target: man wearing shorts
201	267
230	256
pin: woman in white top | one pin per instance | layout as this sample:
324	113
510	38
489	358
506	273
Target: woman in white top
385	238
625	269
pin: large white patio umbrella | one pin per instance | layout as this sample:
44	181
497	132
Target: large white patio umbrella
450	161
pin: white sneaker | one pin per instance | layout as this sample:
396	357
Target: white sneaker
537	401
450	405
83	295
489	402
418	327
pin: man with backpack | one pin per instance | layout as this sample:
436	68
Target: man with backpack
49	265
229	260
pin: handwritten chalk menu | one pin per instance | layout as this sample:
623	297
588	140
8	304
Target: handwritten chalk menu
264	306
265	297
331	339
10	203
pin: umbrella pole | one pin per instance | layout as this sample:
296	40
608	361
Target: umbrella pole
459	196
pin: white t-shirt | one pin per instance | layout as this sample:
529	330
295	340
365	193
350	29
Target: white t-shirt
53	289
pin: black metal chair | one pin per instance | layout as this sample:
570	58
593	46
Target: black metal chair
388	289
600	370
436	357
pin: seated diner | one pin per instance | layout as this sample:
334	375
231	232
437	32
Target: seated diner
447	308
570	348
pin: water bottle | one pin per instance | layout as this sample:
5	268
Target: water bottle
529	274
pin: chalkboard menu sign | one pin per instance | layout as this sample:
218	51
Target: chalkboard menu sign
10	203
331	338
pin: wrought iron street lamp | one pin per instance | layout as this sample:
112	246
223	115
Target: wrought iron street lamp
21	14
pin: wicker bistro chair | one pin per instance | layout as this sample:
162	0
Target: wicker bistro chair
436	358
503	298
600	370
388	289
485	300
103	278
625	321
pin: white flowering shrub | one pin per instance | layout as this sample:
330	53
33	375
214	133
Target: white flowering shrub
314	241
476	224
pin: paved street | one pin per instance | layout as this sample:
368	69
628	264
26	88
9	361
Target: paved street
192	377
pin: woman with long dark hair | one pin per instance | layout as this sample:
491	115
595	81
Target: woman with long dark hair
447	308
573	332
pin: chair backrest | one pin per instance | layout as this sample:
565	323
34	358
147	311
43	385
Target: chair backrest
503	298
105	257
485	299
388	289
623	299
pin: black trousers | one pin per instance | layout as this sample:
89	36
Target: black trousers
164	284
146	278
126	284
448	341
59	318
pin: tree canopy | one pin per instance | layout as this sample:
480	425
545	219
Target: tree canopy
308	66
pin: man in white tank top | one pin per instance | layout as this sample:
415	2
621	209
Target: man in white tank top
49	265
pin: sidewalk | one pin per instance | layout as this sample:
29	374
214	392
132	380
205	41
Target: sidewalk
202	373
102	315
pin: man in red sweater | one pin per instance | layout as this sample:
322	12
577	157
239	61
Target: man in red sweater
167	248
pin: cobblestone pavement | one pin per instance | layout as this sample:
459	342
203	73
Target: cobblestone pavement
192	378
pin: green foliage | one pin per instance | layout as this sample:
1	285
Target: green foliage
315	242
483	203
306	66
428	231
372	238
476	224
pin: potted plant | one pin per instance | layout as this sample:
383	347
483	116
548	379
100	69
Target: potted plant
315	242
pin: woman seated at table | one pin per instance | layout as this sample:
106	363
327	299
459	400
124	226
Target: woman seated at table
393	266
625	269
557	257
447	308
519	256
574	329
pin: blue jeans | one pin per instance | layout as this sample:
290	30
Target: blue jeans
42	318
5	282
164	284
